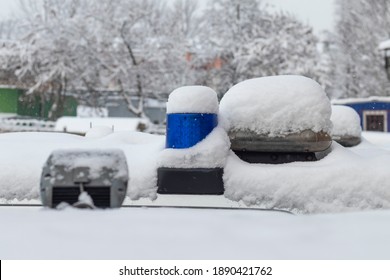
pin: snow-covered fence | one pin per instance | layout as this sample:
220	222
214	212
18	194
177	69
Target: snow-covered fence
14	125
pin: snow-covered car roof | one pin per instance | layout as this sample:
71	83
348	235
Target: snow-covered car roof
164	233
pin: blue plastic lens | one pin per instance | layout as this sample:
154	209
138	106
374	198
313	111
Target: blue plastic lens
186	130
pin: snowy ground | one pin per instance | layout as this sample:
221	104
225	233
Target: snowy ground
165	233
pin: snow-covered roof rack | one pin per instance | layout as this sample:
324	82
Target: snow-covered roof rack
361	100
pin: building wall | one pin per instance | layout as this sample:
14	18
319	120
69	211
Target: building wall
35	108
118	109
360	108
9	100
12	101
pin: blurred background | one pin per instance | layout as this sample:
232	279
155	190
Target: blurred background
122	58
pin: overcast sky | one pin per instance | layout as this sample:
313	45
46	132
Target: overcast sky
6	7
318	13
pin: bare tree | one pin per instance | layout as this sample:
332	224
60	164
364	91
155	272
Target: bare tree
254	42
357	63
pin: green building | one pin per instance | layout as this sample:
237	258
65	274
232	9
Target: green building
13	101
9	100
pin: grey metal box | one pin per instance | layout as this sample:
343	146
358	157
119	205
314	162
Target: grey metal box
102	174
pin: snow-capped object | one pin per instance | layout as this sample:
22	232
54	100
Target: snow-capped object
99	131
346	180
384	45
277	106
211	152
193	99
346	121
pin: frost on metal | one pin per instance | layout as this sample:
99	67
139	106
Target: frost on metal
95	161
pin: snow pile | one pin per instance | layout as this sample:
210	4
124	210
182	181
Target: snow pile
141	151
342	181
193	99
95	160
24	154
98	131
277	106
379	139
85	199
209	153
346	122
346	180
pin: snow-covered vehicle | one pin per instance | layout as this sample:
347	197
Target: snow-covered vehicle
209	222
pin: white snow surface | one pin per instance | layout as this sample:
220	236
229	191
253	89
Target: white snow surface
99	131
348	179
346	121
341	182
85	198
193	99
211	152
277	106
146	233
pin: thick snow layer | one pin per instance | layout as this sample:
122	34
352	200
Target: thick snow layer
83	125
384	45
193	99
346	121
145	233
346	180
209	153
277	106
379	139
24	154
85	198
342	181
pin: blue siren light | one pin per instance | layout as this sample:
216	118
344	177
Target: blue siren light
185	130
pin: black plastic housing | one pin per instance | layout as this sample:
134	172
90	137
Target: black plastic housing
186	181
